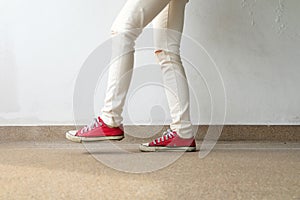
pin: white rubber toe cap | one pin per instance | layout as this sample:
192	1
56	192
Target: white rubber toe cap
73	132
145	144
70	135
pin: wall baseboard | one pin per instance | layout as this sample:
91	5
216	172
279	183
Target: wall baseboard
282	133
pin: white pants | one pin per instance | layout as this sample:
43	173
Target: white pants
168	19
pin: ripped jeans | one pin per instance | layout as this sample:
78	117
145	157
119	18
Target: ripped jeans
168	20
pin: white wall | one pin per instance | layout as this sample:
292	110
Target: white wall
255	44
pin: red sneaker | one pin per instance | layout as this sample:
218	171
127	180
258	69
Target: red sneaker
96	131
170	141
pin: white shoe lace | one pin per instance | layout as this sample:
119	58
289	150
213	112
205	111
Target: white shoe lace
166	135
95	123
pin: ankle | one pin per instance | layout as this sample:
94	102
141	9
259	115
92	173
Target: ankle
187	137
110	126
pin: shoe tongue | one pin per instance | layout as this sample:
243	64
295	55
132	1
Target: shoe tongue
167	131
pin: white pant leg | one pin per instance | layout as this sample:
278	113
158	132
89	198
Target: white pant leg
134	16
168	26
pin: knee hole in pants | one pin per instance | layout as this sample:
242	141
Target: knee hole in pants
167	56
113	32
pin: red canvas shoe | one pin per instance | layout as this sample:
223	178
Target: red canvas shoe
170	141
96	131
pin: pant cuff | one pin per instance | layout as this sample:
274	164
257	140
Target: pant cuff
108	120
185	133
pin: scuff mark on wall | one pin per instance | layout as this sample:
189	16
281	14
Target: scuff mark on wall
279	19
249	5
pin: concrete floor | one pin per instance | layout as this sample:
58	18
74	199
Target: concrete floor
65	170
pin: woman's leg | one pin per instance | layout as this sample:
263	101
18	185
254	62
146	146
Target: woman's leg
134	16
168	26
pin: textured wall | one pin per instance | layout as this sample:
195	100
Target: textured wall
255	46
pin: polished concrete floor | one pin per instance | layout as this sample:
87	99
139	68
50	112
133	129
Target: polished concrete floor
117	170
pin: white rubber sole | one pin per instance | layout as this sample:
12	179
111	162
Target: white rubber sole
145	148
74	138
